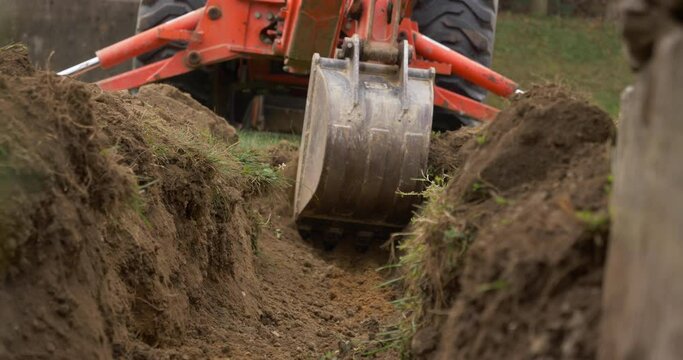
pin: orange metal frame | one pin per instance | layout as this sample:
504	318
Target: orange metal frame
294	30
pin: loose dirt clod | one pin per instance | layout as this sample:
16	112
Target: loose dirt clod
510	254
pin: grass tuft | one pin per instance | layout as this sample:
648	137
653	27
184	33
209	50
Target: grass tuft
413	264
595	221
259	173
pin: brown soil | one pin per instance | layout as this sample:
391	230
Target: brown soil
127	230
121	237
444	150
317	302
516	244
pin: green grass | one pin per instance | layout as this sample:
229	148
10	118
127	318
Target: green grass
259	139
595	221
259	173
584	54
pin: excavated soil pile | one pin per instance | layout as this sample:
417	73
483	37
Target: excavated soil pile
511	253
131	228
123	229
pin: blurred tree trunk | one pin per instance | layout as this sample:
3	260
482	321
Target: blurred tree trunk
539	7
643	296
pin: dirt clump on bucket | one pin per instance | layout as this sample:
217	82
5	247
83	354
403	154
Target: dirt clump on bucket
122	235
506	260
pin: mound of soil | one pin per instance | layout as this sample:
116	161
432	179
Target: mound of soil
129	229
180	110
122	234
514	248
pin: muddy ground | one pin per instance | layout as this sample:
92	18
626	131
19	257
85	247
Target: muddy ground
134	228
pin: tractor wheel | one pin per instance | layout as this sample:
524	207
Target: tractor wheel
199	83
466	26
152	13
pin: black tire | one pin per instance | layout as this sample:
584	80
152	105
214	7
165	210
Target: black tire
198	83
152	13
466	26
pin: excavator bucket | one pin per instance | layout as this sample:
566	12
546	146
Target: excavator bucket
365	142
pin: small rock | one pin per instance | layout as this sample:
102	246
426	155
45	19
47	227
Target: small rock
50	347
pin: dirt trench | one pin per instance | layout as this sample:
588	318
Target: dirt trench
133	227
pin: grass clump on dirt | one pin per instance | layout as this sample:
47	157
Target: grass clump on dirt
507	257
124	228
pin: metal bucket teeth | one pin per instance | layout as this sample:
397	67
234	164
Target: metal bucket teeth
365	141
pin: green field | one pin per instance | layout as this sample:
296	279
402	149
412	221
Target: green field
583	54
260	139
